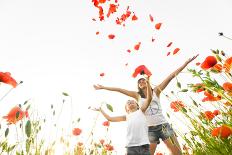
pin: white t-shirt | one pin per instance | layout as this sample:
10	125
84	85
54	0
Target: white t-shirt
137	130
153	113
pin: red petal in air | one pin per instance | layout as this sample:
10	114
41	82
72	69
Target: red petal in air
158	25
137	46
151	18
102	74
97	33
134	17
168	53
169	44
176	50
111	36
128	51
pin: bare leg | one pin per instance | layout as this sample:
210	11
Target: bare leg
173	145
153	148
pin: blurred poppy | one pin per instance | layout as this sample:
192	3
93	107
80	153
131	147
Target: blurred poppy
7	79
128	51
223	131
198	63
228	64
101	13
209	115
216	112
175	51
142	69
102	141
109	147
227	86
76	131
15	114
102	1
210	97
209	62
159	153
137	46
158	25
106	123
111	36
177	105
198	87
97	33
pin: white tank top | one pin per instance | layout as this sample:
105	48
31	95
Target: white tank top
137	130
153	113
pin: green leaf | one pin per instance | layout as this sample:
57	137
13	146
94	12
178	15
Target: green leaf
178	85
7	132
184	90
168	115
17	115
28	107
28	128
109	107
65	94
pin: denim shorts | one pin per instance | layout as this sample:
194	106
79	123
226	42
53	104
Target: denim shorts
139	150
163	131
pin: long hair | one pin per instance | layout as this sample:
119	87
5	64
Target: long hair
140	91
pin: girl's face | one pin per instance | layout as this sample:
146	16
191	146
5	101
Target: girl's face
142	83
131	105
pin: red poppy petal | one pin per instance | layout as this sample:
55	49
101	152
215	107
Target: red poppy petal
169	44
158	25
176	50
151	18
102	74
111	36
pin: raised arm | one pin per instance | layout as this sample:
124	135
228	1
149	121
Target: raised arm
166	81
132	94
149	97
109	118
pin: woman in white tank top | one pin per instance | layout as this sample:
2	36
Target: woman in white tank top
157	124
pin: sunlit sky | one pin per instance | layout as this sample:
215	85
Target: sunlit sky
52	47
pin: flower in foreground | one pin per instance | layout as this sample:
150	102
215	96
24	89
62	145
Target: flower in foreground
177	105
15	114
228	64
7	79
223	131
209	62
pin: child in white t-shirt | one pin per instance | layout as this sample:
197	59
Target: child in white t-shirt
137	141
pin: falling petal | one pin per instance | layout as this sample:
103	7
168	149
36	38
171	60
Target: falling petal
151	18
169	44
102	74
128	51
137	46
111	36
176	50
97	33
152	39
168	53
158	25
134	17
198	63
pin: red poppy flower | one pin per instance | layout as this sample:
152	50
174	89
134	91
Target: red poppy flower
142	69
209	115
223	131
228	64
102	141
111	36
210	97
102	74
168	53
109	147
151	18
216	112
6	78
76	131
15	114
175	51
134	17
169	44
95	3
198	87
227	86
137	46
158	25
112	9
209	62
217	68
177	105
106	123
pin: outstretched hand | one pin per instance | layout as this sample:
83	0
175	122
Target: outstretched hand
191	59
97	87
